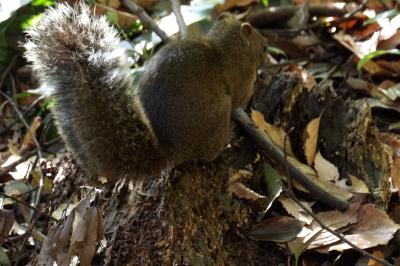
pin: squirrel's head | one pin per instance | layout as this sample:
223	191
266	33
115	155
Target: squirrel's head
245	50
228	30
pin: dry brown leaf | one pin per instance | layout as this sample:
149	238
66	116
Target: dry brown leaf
276	134
88	246
325	185
392	92
391	66
61	243
310	139
374	227
45	256
395	172
317	237
278	229
79	236
378	254
390	43
393	140
243	192
358	185
295	210
240	175
325	169
360	49
380	6
371	89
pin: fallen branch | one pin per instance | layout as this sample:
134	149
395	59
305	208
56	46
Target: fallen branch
274	152
146	19
267	17
176	9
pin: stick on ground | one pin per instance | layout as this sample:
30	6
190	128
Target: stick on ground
277	155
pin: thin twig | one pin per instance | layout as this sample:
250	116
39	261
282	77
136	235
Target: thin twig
351	14
276	153
285	155
38	148
26	156
21	117
35	102
146	19
5	73
51	142
176	9
16	199
342	238
289	192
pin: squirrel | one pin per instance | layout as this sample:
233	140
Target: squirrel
180	111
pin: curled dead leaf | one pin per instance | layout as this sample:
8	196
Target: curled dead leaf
278	229
310	140
295	210
325	169
78	236
374	227
276	134
243	192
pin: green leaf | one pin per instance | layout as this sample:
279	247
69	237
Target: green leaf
43	3
48	103
386	14
265	2
29	22
18	18
275	50
377	53
21	95
273	181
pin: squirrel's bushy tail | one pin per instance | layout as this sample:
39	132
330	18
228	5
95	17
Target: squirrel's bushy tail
77	55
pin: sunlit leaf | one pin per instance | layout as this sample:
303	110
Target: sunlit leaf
275	50
377	53
274	186
42	2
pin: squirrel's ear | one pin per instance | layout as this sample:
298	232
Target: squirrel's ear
245	31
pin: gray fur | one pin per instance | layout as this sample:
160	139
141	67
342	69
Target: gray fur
180	111
78	56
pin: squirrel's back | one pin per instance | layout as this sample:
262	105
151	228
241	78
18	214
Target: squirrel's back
77	55
179	112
